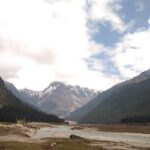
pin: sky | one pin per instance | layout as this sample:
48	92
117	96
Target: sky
91	43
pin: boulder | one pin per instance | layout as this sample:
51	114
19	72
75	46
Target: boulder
75	137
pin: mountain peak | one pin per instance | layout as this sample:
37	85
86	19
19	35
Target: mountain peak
57	84
141	77
58	98
146	73
53	86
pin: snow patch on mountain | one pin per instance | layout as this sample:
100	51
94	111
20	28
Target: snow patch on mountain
58	98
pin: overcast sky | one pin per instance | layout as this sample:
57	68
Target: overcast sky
92	43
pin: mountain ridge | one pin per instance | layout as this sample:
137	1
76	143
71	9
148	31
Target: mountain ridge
58	98
12	109
109	106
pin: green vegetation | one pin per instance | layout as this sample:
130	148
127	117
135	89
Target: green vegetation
129	103
12	114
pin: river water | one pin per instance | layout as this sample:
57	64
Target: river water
64	131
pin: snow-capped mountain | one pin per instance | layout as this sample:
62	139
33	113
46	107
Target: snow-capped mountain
12	108
58	98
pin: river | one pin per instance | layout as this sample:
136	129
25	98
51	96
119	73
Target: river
64	131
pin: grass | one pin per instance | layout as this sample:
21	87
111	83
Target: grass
61	144
19	146
68	144
5	130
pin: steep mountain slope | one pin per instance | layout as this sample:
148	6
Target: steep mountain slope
57	98
27	96
11	109
125	102
62	99
83	111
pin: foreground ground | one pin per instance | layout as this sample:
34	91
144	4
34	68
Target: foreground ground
56	137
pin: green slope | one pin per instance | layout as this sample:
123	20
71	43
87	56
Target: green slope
127	103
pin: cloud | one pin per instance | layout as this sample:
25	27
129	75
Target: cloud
42	41
8	68
131	54
149	21
106	11
139	5
9	71
46	40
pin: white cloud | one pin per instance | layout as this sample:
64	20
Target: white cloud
106	11
42	41
149	21
132	53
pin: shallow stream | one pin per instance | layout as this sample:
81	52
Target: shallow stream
64	131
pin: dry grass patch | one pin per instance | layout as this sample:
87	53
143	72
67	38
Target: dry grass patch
60	144
121	128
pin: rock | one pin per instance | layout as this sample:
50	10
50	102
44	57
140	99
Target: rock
53	144
75	137
26	135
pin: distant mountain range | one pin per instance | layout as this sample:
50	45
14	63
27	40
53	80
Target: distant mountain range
58	98
13	109
127	102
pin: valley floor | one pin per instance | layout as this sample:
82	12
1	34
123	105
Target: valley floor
41	136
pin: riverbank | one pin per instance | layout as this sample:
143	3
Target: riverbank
128	128
94	136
